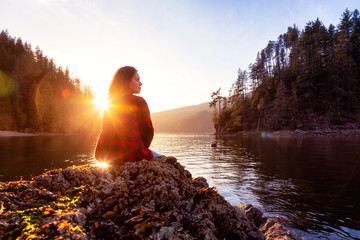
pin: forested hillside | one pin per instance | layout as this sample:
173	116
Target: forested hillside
306	79
36	95
190	119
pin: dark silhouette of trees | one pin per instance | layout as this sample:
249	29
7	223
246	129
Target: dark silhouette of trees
216	101
35	95
306	79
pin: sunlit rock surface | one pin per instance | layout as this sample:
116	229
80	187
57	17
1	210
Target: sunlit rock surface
142	200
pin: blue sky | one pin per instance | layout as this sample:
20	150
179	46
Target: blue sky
184	50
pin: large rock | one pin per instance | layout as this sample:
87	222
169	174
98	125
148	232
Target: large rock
274	229
141	200
253	214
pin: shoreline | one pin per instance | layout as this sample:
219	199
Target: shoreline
325	132
7	133
18	134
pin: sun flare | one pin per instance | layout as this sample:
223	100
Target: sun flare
101	164
101	103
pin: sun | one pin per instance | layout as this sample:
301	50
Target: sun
102	103
101	164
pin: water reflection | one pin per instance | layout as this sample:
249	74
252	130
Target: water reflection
312	182
25	157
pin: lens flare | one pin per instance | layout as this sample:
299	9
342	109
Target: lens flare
101	103
101	165
65	93
264	134
7	84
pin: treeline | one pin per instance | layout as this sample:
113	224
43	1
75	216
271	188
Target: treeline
306	79
38	96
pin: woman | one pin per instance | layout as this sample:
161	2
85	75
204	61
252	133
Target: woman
127	129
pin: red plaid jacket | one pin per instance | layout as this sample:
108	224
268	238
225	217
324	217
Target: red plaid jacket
127	131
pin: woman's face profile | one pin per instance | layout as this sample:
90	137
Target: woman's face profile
135	84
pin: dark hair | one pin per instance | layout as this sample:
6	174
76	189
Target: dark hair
121	80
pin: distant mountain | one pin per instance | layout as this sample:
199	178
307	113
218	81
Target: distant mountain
190	119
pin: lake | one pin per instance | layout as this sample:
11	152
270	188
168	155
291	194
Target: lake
313	182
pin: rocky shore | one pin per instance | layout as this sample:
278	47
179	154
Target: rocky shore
15	134
142	200
333	131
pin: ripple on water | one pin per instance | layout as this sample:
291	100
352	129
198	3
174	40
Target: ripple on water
291	177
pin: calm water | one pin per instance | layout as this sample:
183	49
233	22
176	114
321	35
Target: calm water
312	182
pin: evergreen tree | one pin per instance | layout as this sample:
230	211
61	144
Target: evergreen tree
305	79
32	91
281	105
216	100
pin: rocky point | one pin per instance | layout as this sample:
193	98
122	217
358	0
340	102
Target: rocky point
143	200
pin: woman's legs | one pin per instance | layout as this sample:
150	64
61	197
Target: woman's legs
155	154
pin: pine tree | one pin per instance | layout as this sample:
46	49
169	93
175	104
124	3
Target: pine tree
308	79
31	88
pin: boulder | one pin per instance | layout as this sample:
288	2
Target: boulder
156	199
